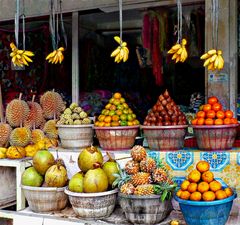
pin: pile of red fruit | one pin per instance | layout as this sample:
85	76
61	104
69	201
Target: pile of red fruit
165	113
212	113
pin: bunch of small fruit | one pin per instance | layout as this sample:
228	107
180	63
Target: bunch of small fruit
95	176
143	176
116	113
74	115
212	113
201	185
45	172
165	113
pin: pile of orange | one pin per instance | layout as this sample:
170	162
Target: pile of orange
212	113
201	185
116	113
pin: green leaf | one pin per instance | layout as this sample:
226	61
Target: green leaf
164	195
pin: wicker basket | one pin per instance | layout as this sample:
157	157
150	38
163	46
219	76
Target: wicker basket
75	136
165	137
45	199
116	138
215	137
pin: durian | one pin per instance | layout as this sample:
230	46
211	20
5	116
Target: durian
20	136
50	129
5	130
37	135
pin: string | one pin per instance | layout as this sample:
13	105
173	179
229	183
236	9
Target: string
120	18
16	20
179	18
214	17
23	25
62	26
52	24
57	33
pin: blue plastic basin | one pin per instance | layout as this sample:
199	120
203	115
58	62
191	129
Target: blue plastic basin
206	213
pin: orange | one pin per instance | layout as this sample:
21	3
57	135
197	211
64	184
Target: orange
185	195
196	196
117	95
220	114
211	114
227	121
220	194
207	107
216	107
228	114
96	123
200	121
194	121
119	112
192	187
113	108
234	121
125	105
209	121
212	100
108	106
203	186
115	118
184	185
208	196
207	176
107	125
105	112
122	100
107	119
111	100
215	186
115	124
101	124
135	122
130	123
202	166
101	118
200	114
179	193
194	176
116	102
228	191
218	122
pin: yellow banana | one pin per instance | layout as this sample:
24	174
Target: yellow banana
221	62
28	53
124	44
126	49
212	59
178	58
207	61
212	52
122	52
24	61
13	53
61	49
179	51
176	47
20	51
219	52
27	58
211	66
116	51
117	39
171	51
117	58
205	56
175	55
125	57
52	54
61	58
13	46
54	58
184	55
216	62
184	41
18	56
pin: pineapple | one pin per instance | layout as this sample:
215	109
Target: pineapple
121	178
138	153
144	189
127	188
160	175
132	167
148	165
141	178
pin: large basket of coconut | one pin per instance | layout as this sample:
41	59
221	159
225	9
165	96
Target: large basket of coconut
43	183
74	128
90	191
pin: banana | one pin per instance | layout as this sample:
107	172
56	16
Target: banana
116	51
27	58
211	66
122	53
175	55
20	52
28	53
126	49
184	55
52	54
176	47
117	58
213	58
61	58
184	41
24	61
13	46
205	56
207	61
12	54
125	57
221	62
56	56
124	44
61	49
179	51
212	52
118	39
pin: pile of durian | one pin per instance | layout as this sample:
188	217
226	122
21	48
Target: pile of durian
74	115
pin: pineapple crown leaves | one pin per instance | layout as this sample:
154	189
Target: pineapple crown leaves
165	190
121	178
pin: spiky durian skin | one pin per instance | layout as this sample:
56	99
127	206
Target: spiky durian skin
141	178
132	167
52	104
127	188
138	153
37	135
144	189
148	165
159	175
50	129
5	131
35	116
16	112
20	136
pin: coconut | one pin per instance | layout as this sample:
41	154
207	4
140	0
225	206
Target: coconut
76	183
42	160
88	157
31	177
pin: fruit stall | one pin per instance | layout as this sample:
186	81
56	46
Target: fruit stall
102	157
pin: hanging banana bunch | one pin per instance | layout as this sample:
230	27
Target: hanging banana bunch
56	56
179	50
121	52
20	58
213	59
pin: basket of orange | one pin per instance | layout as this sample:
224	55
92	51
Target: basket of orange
214	128
117	126
203	199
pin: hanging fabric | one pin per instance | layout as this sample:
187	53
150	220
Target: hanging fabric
20	58
56	56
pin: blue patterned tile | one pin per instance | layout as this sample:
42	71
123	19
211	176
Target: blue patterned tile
179	180
155	155
179	160
217	160
238	158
